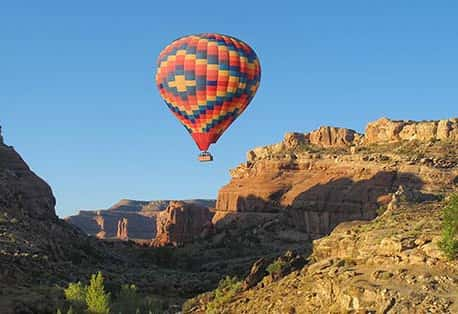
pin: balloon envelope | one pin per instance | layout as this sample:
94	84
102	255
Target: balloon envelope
207	81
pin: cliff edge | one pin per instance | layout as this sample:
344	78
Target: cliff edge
330	175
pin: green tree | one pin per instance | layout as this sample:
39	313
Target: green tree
75	294
449	239
97	300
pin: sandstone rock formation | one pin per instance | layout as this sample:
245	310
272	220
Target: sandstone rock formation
182	222
318	186
385	130
100	221
380	131
140	214
122	232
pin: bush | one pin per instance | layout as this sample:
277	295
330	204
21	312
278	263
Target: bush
76	294
97	300
227	289
275	267
449	239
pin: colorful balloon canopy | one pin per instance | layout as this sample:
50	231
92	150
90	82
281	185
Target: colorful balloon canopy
207	81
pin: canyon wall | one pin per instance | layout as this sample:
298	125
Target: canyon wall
141	217
331	175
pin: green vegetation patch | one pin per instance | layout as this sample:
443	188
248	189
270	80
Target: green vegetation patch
276	267
449	236
227	289
94	299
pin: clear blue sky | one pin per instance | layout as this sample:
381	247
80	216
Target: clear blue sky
78	100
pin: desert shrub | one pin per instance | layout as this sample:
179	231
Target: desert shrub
227	289
449	237
275	267
97	300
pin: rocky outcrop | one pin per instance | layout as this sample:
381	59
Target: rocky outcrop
182	222
380	131
385	130
256	274
21	191
275	269
331	175
122	232
327	136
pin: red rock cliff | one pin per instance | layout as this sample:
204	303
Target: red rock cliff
181	222
331	175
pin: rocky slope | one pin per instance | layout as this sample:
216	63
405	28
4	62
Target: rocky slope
389	265
141	218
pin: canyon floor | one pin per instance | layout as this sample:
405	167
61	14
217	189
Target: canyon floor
350	221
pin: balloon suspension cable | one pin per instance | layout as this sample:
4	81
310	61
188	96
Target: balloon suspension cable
205	156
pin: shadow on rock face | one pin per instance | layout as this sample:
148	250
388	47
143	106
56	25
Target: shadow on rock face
319	209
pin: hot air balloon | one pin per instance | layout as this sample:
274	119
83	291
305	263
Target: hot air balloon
207	81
